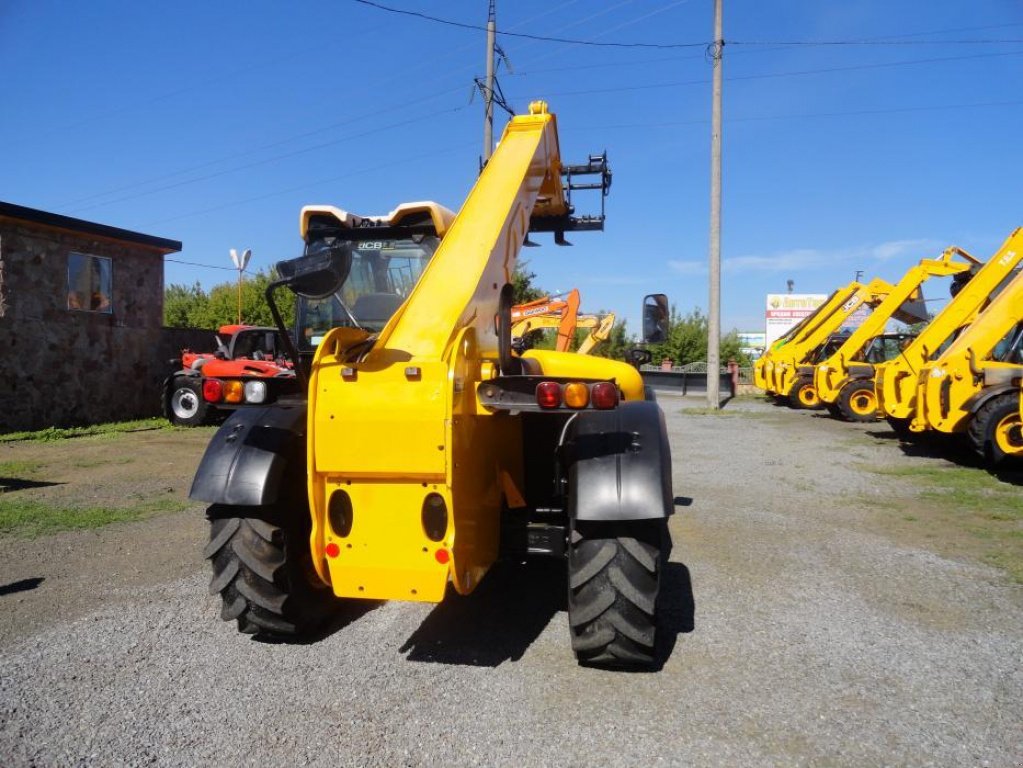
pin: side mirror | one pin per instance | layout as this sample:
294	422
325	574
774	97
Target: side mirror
319	273
655	318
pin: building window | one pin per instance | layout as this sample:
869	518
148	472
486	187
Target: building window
89	283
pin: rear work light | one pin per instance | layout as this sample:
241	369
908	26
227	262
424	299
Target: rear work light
212	390
255	391
604	395
548	394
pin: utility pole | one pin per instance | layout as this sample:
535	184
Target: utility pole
488	95
714	310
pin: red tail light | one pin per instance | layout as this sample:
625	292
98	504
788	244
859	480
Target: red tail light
604	395
548	394
212	390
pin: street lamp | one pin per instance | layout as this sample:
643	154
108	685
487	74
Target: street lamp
240	263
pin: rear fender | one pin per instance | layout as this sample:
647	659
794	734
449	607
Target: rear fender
252	456
618	464
974	403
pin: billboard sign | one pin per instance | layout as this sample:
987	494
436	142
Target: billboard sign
784	310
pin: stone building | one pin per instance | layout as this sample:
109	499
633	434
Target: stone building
81	315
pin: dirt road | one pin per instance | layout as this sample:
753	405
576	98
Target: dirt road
824	611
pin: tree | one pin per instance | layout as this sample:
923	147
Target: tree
523	289
193	308
687	341
181	302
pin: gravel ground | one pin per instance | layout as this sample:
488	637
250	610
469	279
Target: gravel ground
798	635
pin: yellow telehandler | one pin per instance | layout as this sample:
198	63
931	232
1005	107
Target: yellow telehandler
896	380
426	448
791	375
844	382
763	367
972	389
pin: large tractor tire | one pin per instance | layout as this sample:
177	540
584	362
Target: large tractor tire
857	401
185	404
614	581
263	571
803	394
996	430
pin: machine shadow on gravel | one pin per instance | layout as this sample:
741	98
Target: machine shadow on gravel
514	604
497	622
347	612
952	448
20	484
24	585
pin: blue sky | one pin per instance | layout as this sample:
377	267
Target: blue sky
213	123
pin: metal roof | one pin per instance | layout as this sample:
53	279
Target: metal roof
45	218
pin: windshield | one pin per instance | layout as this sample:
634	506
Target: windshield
383	274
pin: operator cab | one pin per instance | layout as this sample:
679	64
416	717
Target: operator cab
356	271
382	275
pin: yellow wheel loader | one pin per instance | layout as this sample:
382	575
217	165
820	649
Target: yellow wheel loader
896	380
426	448
972	389
791	371
845	380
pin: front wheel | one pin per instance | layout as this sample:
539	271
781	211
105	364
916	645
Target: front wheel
857	401
996	430
185	404
614	581
803	394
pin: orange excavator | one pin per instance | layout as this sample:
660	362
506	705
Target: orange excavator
566	308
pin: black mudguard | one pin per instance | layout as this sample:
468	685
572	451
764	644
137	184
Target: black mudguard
974	403
618	464
250	456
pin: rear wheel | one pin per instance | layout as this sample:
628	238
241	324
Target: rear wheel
803	394
614	580
857	401
185	405
262	569
996	431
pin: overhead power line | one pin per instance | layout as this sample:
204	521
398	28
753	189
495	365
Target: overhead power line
774	75
197	264
987	41
544	38
703	44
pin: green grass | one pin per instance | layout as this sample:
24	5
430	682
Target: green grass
963	488
112	428
20	470
967	503
30	519
707	411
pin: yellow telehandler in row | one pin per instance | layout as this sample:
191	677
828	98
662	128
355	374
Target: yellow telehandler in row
896	381
426	448
763	367
791	373
844	382
972	388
